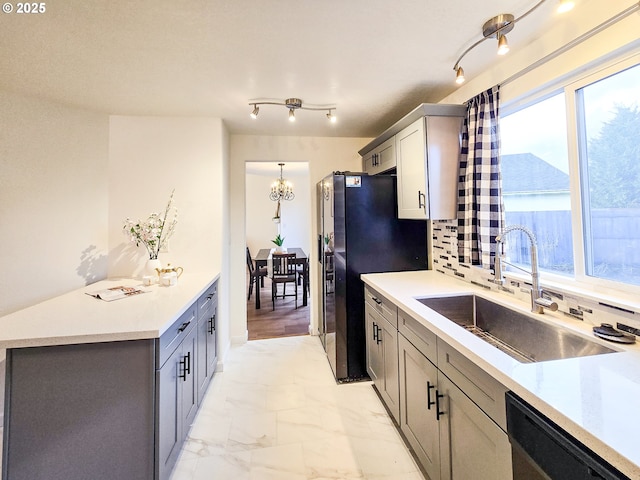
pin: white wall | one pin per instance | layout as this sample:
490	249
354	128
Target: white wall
148	158
53	199
295	219
324	155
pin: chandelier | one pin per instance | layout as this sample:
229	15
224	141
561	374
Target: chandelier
281	189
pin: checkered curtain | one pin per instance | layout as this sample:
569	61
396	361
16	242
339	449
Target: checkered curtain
480	209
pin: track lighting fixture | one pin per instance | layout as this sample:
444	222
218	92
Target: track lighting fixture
503	46
292	104
498	27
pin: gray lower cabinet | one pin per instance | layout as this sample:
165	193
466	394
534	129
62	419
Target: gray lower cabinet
382	359
207	340
107	410
451	436
381	319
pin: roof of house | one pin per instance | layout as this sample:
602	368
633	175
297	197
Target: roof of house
525	172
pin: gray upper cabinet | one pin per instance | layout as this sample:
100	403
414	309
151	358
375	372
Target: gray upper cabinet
426	157
381	159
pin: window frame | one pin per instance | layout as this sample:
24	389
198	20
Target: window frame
571	85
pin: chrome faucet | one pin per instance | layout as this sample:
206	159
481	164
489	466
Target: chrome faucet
538	302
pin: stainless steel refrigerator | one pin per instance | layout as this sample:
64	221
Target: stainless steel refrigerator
359	232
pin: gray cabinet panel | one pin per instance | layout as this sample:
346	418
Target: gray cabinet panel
169	438
86	410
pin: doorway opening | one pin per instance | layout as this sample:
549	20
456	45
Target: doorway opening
266	218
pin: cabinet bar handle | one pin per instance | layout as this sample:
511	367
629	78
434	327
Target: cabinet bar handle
379	302
183	369
438	412
375	332
429	401
184	326
212	325
422	204
379	338
188	369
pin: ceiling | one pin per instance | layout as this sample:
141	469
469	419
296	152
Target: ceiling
374	59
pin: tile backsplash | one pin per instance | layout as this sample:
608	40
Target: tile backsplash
595	312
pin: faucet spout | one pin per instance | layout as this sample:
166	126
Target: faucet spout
538	303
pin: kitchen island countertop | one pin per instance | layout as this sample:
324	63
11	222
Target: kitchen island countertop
593	398
76	317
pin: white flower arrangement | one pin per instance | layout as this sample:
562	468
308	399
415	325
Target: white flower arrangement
154	233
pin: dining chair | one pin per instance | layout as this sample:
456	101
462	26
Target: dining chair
262	272
283	271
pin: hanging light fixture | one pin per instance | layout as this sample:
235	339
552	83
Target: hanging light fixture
281	189
292	104
498	27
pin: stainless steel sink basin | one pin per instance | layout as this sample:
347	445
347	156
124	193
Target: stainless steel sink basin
523	338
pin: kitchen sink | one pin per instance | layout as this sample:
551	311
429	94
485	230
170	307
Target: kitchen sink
518	335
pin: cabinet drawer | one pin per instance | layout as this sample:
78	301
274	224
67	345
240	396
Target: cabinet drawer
386	308
419	335
174	335
482	388
207	299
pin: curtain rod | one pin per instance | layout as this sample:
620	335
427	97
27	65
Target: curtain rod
585	36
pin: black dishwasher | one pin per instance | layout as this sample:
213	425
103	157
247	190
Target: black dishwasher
542	450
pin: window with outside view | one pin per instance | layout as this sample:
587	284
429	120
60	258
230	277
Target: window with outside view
535	184
609	140
605	108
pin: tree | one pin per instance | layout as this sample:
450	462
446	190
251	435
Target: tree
614	161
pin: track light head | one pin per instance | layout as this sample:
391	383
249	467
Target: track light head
255	112
292	115
459	75
503	45
331	117
565	6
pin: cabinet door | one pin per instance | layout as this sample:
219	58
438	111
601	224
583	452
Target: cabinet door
374	358
368	162
169	414
471	444
189	386
201	364
411	169
386	155
212	341
418	420
389	386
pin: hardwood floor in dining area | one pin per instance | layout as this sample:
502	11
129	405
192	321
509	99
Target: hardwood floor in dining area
284	321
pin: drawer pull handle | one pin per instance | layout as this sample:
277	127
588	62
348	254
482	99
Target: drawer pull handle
438	412
184	326
430	402
379	302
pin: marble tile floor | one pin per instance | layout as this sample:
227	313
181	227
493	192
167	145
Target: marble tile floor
276	413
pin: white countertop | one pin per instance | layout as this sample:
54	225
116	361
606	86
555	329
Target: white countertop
593	398
75	317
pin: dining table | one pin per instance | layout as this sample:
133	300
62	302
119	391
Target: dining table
261	260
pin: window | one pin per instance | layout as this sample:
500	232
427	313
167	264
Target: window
535	183
609	146
598	118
